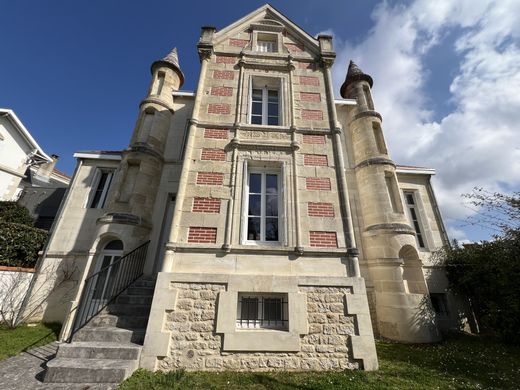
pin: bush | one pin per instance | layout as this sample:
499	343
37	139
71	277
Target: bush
20	241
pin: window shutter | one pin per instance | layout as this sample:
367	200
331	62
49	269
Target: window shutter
93	187
243	235
281	112
283	218
250	99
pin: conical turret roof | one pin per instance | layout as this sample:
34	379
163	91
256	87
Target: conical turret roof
354	73
171	60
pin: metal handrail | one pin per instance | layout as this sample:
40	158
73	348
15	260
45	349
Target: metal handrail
103	287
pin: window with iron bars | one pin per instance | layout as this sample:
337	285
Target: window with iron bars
262	311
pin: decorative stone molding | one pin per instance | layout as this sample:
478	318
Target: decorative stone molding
366	114
395	227
375	161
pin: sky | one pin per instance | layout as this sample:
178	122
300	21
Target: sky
446	76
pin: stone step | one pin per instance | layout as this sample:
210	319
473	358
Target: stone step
119	321
139	291
99	350
63	370
127	309
135	299
144	283
110	334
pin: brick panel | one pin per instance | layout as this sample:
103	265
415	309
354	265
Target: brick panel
307	65
223	74
317	183
320	209
213	154
216	133
202	235
310	97
206	205
210	178
309	80
221	91
238	42
313	139
219	108
315	160
323	239
226	60
294	47
313	115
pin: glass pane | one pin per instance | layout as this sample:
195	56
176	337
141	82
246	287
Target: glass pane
272	121
271	229
421	241
412	212
257	95
254	205
271	206
272	96
272	309
255	183
272	109
249	309
115	245
256	120
256	108
409	199
271	184
253	228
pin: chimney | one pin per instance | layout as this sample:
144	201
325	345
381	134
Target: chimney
45	170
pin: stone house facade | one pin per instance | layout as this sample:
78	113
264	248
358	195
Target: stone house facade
279	232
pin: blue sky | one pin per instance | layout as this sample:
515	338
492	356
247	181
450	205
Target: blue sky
446	75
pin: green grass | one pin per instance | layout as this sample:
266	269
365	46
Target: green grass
14	341
462	362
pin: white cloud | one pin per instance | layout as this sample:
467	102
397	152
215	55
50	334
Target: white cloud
478	142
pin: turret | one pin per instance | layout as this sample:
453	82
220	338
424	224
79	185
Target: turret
390	251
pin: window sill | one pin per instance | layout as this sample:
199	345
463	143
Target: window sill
250	126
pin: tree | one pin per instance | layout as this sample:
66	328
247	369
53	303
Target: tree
488	273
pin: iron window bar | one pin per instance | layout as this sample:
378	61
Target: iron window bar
257	312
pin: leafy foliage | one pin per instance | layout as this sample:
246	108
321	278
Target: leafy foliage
488	272
20	241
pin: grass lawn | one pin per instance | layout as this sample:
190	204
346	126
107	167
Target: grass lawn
462	362
14	341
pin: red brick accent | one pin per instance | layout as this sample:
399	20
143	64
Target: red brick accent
213	154
320	209
317	183
307	65
294	47
219	108
210	178
310	97
323	239
238	42
217	133
206	205
313	139
226	60
223	74
309	80
313	115
202	235
315	160
17	269
222	91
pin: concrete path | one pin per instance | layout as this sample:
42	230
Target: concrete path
25	372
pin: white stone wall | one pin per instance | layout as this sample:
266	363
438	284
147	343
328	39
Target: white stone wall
13	288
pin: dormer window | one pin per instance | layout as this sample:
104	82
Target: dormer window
267	43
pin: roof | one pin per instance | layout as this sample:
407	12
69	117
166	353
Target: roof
104	154
18	125
171	60
412	169
355	73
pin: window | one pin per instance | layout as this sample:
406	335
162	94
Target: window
265	104
268	311
440	303
101	185
267	43
414	218
262	207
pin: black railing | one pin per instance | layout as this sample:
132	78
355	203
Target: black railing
103	287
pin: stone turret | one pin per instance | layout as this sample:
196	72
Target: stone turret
390	251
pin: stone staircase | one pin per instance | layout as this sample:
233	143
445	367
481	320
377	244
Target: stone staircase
107	349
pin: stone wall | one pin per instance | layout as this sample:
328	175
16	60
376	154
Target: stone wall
194	345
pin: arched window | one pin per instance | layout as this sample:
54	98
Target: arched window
413	276
107	267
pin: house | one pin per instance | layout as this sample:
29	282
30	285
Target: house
257	223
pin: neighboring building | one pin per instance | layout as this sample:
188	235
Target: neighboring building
261	205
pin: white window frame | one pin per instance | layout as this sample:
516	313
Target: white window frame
104	192
267	42
279	171
261	323
420	226
269	84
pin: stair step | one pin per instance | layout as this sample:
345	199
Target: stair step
119	321
139	291
110	334
127	309
135	299
99	350
63	370
144	283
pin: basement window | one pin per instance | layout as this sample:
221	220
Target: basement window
262	311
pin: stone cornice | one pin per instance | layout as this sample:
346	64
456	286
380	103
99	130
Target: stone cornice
366	114
375	161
